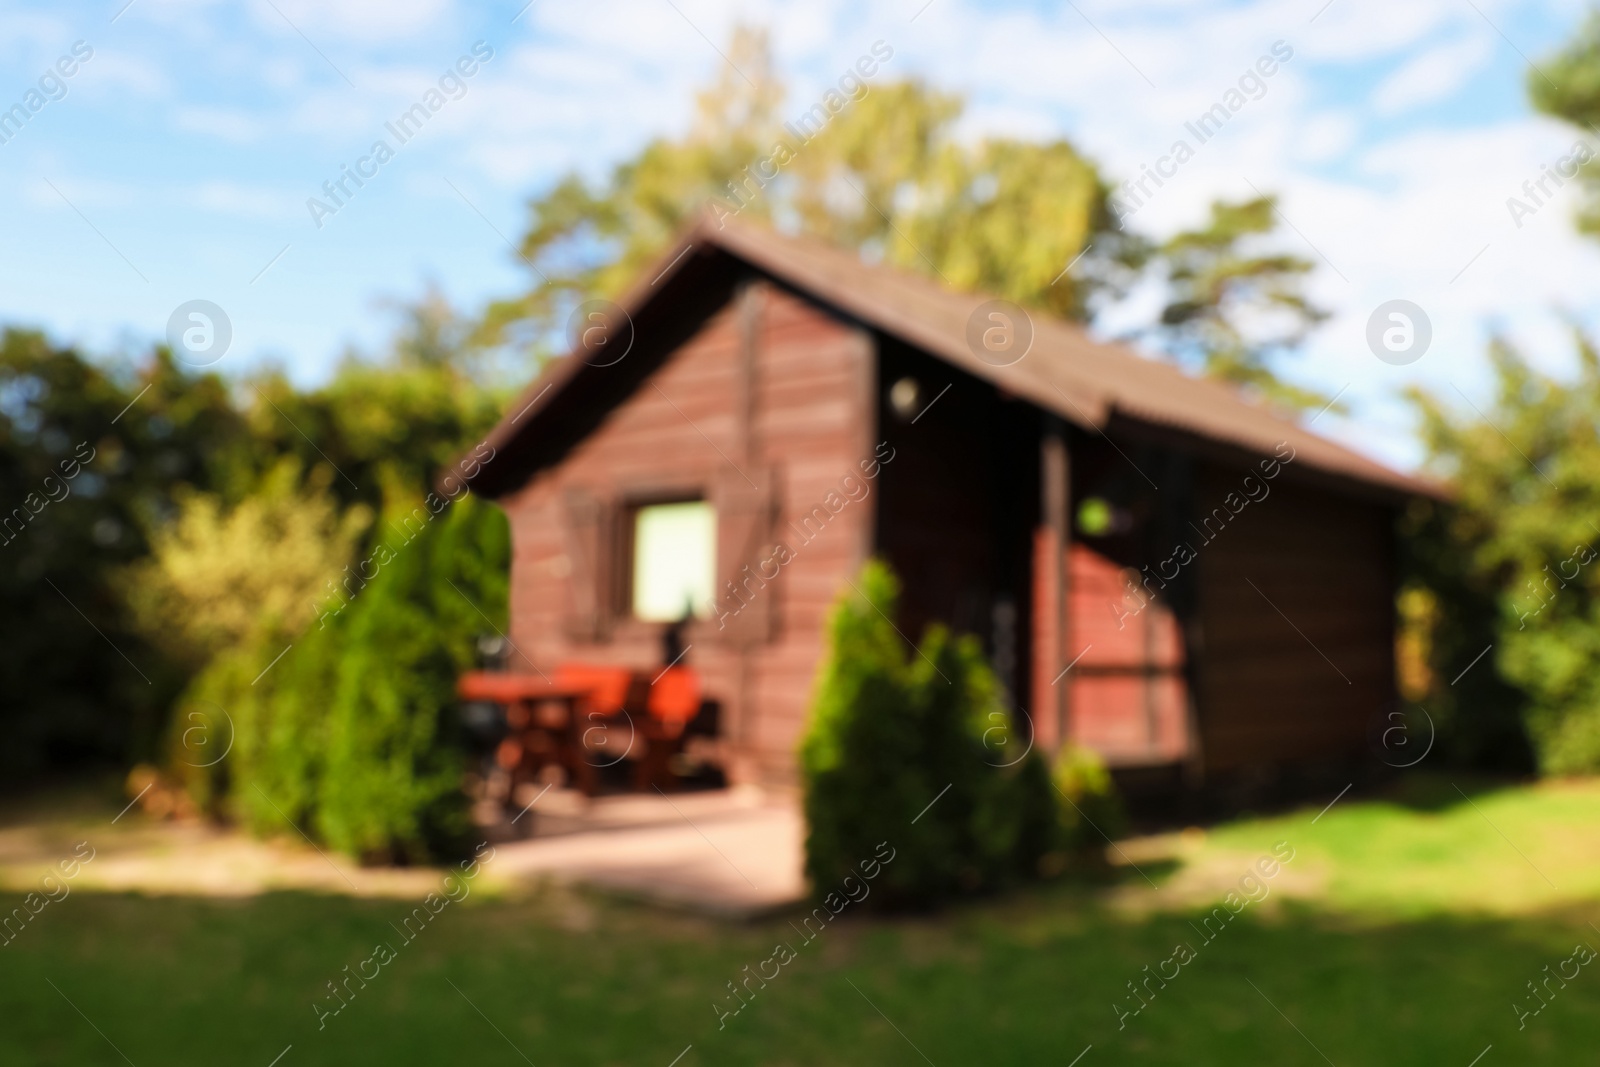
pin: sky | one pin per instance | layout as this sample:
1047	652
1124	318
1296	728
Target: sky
178	160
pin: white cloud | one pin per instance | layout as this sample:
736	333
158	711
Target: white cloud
580	86
229	124
245	201
354	21
116	71
1326	136
1350	30
81	194
1433	75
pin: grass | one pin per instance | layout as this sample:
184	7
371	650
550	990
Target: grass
1400	933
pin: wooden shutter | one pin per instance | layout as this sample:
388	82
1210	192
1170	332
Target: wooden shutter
746	602
588	523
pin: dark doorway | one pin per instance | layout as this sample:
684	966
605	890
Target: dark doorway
958	505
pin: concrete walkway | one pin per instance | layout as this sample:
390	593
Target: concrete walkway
733	853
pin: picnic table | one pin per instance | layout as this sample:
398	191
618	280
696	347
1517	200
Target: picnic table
584	717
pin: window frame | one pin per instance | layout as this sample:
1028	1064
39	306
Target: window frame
626	542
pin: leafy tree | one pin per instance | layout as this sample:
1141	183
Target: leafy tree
886	176
1505	567
1511	560
168	531
1566	85
387	425
89	455
219	577
586	240
349	734
1005	216
1234	311
393	785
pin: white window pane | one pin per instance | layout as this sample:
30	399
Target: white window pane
674	560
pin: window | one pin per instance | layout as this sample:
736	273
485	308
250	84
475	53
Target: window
674	560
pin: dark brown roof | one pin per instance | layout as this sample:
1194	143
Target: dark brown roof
1087	382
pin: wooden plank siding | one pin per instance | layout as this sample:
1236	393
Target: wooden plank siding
760	379
1129	694
810	423
1292	667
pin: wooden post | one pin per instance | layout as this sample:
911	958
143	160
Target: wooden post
867	430
1051	541
752	298
751	302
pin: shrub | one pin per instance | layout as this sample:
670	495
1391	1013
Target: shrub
351	736
222	578
395	763
226	590
1090	810
896	753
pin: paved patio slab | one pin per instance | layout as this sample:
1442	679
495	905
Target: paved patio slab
733	853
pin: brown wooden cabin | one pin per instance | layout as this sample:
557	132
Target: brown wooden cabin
761	378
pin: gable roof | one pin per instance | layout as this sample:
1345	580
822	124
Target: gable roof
1089	383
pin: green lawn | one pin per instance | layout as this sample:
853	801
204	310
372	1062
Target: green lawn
1400	933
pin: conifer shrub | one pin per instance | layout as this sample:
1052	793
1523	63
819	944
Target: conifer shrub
352	736
896	753
395	757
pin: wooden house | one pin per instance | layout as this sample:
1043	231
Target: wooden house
1160	570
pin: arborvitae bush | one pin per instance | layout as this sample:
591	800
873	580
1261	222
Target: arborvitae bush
352	736
392	789
894	730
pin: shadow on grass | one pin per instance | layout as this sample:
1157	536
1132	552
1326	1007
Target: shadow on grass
1436	792
563	977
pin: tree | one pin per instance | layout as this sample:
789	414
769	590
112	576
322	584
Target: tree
1511	560
1233	312
888	178
220	577
885	176
176	535
90	454
1500	578
1566	85
387	424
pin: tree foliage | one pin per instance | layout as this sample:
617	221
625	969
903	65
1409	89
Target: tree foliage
91	453
1566	85
382	425
886	176
176	533
889	176
1234	311
352	734
1501	623
219	577
1512	558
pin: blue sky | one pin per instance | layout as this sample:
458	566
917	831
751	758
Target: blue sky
178	164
